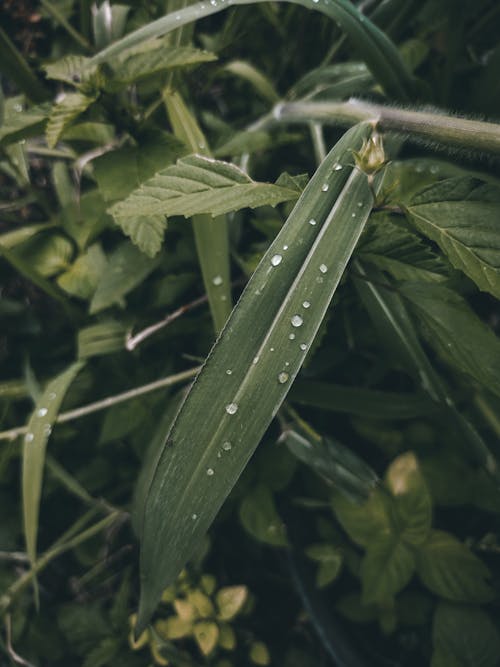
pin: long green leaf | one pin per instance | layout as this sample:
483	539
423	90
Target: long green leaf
35	442
379	52
251	367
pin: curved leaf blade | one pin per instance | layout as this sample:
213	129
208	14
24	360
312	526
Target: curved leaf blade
251	367
35	443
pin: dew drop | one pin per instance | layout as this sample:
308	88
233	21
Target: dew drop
291	336
223	297
217	280
229	372
323	268
271	349
227	446
303	347
28	437
297	321
213	3
306	304
337	167
276	259
353	215
325	187
312	222
42	412
360	204
434	170
47	429
283	377
285	247
255	360
315	2
231	408
194	517
210	472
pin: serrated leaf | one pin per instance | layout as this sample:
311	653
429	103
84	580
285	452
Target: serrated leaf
153	57
120	172
464	636
461	216
68	69
127	267
236	408
401	252
412	507
35	442
450	570
386	568
63	113
195	185
456	332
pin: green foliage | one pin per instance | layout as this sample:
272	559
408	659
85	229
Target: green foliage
362	351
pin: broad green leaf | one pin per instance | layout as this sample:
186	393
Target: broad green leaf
412	507
329	559
127	267
69	69
211	235
260	518
461	216
378	51
303	264
449	569
153	58
47	253
194	185
120	172
335	462
35	442
368	403
83	276
102	338
63	113
386	568
365	522
456	332
464	636
400	252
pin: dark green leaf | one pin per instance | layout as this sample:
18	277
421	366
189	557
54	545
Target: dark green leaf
450	570
388	565
260	518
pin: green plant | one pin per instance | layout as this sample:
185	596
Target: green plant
152	162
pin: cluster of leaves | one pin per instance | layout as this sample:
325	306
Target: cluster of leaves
145	162
201	612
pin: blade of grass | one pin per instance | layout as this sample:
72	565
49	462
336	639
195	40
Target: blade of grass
35	442
379	52
251	367
15	67
58	17
210	234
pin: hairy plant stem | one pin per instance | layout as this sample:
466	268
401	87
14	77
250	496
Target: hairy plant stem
431	127
109	401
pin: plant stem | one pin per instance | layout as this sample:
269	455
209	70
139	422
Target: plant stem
109	401
434	127
55	551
